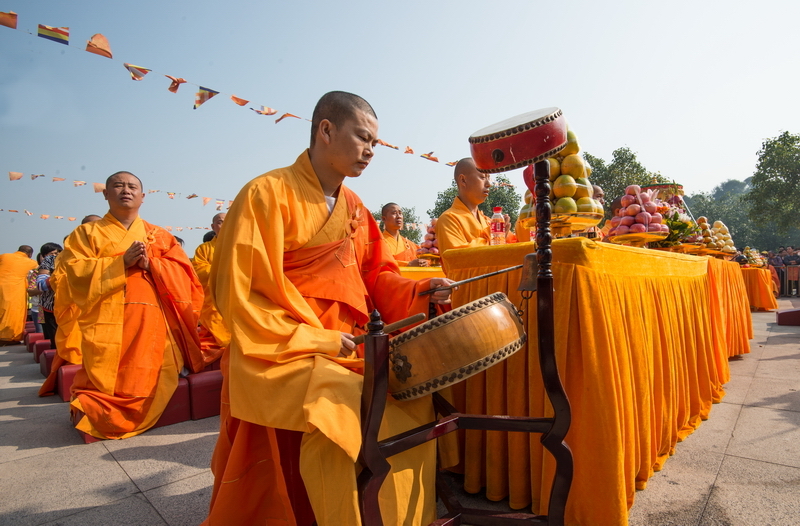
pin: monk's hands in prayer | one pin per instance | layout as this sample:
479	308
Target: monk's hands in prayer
441	297
144	261
419	263
348	346
135	252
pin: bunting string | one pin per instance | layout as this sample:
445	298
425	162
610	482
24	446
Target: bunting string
99	45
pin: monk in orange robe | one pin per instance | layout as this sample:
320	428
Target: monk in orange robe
214	335
68	335
14	269
463	224
137	301
304	265
404	250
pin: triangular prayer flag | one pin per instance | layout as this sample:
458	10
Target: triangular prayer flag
56	34
168	228
206	200
279	119
99	45
71	218
58	179
137	72
179	228
191	196
384	143
28	213
78	183
98	187
176	82
8	19
15	211
58	217
190	228
265	111
237	100
408	150
44	216
153	191
171	195
452	163
202	96
14	176
219	203
430	157
36	176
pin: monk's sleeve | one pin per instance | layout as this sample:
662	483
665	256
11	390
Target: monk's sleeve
268	317
394	296
202	265
181	296
88	277
451	233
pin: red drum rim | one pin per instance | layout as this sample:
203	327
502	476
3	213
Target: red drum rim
513	126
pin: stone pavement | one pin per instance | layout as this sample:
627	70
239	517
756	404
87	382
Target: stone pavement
740	468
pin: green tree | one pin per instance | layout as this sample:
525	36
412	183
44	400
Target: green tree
409	218
775	194
730	203
623	171
502	193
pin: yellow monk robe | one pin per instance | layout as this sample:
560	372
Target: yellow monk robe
403	250
286	291
457	227
68	335
138	328
14	268
214	335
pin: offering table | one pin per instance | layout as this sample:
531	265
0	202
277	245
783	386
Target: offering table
640	359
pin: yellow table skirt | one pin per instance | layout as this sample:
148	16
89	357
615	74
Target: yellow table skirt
639	360
730	309
758	283
419	273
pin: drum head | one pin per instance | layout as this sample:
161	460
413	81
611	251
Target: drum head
532	118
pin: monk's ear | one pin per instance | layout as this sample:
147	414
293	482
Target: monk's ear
325	131
105	194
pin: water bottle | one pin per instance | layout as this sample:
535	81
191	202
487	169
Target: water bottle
498	227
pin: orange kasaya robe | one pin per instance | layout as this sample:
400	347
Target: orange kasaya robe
403	250
295	276
137	327
214	335
14	269
457	227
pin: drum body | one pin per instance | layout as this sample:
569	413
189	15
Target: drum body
519	141
452	347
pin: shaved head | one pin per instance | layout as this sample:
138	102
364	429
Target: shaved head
463	166
217	221
90	218
116	174
338	107
26	249
386	207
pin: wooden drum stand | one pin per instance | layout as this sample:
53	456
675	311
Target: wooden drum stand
376	369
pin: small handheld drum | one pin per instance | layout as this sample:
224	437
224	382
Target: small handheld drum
515	142
454	346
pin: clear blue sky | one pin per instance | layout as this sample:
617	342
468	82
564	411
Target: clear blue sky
692	87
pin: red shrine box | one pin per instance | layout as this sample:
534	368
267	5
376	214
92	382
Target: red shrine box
66	374
788	317
29	327
179	407
32	338
39	347
204	392
46	361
